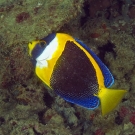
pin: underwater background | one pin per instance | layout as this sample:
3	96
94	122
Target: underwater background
27	107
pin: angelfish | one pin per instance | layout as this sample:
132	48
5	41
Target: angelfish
67	66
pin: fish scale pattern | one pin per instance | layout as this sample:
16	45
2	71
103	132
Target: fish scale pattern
74	77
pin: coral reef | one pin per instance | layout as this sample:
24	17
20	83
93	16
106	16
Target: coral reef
27	105
21	22
21	19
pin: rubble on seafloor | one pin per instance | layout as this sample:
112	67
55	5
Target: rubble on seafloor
26	105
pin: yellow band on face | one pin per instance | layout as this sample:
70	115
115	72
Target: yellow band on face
31	45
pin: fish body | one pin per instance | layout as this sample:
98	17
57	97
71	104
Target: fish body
74	72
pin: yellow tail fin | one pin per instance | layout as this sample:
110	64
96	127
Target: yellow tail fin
109	99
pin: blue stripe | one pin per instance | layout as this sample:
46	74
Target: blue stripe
108	78
49	38
89	102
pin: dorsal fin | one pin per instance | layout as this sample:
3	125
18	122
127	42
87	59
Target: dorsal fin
108	78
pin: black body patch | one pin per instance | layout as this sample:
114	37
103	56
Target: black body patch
74	76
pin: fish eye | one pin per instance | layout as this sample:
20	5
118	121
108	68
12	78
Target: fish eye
42	43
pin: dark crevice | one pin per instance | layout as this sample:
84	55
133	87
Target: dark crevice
40	116
48	99
84	18
109	47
